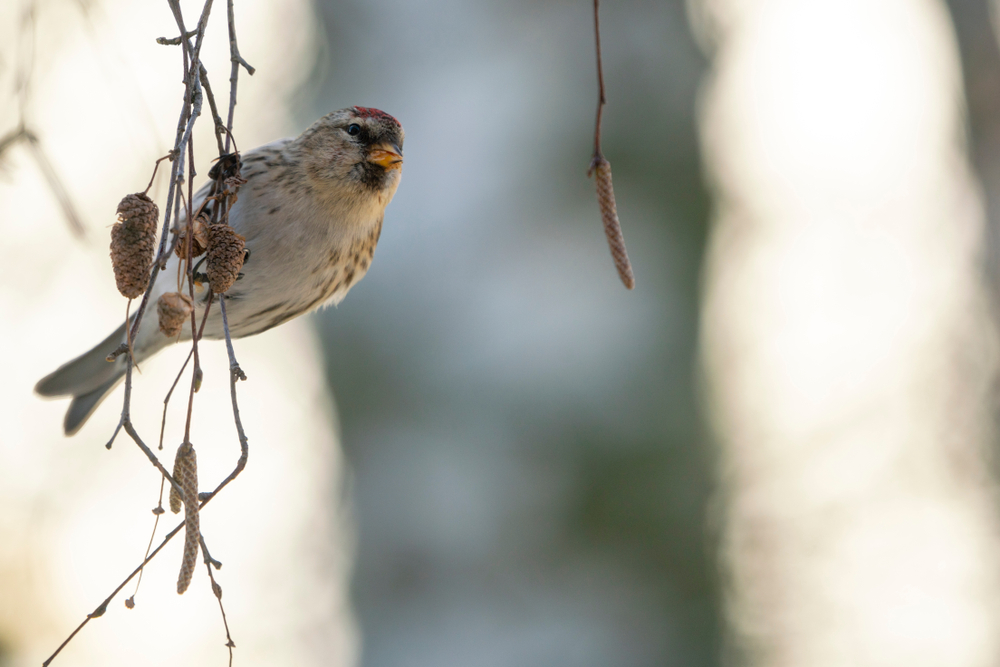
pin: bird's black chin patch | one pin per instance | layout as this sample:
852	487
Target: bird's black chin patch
371	175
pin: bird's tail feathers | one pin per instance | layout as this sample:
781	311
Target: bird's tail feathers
87	373
83	405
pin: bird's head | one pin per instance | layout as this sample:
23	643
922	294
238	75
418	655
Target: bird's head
355	152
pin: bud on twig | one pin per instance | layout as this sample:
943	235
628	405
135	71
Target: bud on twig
199	242
173	309
609	214
133	240
186	474
225	257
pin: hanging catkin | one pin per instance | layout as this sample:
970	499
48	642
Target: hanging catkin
186	474
612	227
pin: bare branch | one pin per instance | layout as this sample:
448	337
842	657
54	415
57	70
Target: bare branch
175	41
55	184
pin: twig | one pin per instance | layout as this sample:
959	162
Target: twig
103	607
196	373
157	512
235	373
217	590
203	498
219	127
166	400
25	60
600	85
175	41
55	184
237	60
8	140
25	67
156	166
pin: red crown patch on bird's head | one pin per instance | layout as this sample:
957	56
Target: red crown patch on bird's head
368	112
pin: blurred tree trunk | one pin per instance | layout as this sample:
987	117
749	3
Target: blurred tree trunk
848	343
976	32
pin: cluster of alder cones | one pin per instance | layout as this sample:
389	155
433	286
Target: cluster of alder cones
133	242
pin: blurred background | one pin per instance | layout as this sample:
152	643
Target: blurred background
776	451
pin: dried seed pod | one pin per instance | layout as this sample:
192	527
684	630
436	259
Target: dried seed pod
612	227
233	184
173	309
199	241
186	474
225	257
133	240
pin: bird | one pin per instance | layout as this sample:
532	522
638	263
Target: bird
311	211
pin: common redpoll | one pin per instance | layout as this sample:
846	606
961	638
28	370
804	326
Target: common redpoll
311	213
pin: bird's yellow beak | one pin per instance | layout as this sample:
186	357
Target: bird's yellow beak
386	156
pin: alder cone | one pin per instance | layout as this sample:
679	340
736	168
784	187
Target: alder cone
133	240
173	309
199	242
225	257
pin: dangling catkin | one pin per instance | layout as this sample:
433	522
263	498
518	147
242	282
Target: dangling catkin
186	474
133	240
225	257
176	501
612	227
173	310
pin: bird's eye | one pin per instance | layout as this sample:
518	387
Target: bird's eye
353	129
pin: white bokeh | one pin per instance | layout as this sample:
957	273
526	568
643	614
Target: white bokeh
848	343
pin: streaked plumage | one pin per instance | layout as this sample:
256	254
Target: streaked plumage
311	212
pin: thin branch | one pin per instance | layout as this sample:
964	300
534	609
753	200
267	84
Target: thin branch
201	331
157	512
235	373
237	60
156	166
10	139
219	127
175	41
196	373
600	86
103	607
25	60
55	184
217	591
